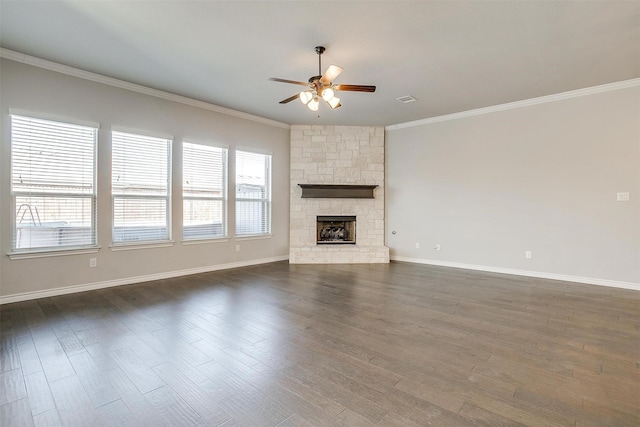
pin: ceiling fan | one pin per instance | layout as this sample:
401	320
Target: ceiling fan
321	86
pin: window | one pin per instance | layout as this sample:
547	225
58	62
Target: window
253	193
53	191
204	191
141	183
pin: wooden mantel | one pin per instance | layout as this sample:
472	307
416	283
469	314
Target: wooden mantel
331	191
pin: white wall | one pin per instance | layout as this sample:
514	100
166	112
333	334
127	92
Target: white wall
35	89
540	178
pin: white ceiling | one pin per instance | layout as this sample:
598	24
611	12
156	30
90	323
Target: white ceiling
452	56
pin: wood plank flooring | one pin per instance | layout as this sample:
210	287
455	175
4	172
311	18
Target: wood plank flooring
325	345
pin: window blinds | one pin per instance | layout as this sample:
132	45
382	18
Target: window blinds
52	184
140	188
204	191
253	193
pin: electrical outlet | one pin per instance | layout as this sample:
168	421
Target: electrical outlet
237	248
93	262
527	254
417	245
622	197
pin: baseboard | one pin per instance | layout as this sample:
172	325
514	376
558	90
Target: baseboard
170	274
131	280
536	274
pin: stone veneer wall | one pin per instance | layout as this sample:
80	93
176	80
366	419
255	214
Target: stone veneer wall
337	155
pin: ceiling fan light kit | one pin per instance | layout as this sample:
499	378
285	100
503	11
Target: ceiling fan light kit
306	96
321	86
327	94
313	104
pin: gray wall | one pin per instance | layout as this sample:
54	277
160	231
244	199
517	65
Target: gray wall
486	188
541	178
38	90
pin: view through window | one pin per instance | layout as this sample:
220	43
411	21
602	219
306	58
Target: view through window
141	184
253	193
53	187
204	191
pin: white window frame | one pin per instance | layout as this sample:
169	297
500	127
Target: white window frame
166	196
223	198
88	191
265	202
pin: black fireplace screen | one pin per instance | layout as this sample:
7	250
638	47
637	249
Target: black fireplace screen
332	230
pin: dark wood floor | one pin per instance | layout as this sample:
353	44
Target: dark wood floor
301	345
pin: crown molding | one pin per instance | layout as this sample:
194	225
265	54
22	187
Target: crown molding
99	78
519	104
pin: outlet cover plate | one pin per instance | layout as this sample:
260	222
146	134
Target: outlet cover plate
622	197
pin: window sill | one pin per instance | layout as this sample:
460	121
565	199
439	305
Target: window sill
115	247
46	253
255	237
203	241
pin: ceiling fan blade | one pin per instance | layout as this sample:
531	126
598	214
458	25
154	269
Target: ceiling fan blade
275	79
356	88
332	72
291	98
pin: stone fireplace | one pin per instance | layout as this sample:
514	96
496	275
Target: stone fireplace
337	194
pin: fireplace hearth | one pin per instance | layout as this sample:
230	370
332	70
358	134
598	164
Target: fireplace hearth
336	230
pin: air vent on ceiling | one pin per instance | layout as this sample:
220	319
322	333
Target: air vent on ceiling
406	99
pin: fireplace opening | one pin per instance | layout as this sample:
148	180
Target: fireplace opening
336	230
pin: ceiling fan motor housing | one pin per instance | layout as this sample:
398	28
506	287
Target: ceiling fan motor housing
316	85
